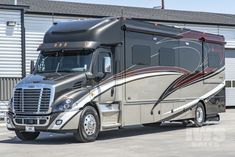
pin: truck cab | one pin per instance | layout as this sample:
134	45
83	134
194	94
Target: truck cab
74	59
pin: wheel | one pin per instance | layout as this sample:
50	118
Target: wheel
26	136
200	115
152	124
89	125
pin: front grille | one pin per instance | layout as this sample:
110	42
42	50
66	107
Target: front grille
31	100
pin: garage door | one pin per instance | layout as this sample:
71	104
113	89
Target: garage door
230	77
35	28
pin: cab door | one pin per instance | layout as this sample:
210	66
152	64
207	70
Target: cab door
106	86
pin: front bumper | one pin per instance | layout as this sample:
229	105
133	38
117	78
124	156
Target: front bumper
55	122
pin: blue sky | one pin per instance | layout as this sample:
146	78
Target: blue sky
219	6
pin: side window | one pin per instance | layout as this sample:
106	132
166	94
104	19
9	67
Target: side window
168	57
101	60
215	55
168	51
140	51
190	55
213	60
141	55
228	84
233	83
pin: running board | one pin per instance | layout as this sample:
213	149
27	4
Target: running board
110	126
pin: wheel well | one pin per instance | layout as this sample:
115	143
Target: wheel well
93	104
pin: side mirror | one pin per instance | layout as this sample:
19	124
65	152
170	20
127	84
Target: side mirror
32	66
97	77
107	65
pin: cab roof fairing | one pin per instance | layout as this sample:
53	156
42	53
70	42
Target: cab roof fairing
105	30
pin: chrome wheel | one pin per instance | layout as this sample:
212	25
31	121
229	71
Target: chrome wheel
89	124
199	114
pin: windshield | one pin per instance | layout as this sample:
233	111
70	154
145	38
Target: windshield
66	61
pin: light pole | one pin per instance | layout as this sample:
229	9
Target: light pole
163	5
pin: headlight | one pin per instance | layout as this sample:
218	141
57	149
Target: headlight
64	105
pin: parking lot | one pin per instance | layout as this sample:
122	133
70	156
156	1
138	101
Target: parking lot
172	140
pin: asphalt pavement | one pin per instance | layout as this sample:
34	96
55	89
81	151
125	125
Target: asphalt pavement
168	140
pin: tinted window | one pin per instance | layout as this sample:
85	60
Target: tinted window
213	60
140	51
190	55
167	57
67	61
215	55
141	55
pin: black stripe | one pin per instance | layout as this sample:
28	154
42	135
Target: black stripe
167	92
179	113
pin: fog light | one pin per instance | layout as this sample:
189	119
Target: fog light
59	122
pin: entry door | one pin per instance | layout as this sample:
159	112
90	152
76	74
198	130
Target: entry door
107	88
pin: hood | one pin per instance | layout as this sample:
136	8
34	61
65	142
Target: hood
62	83
48	78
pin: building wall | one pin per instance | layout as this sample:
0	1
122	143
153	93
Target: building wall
10	44
37	25
10	55
35	28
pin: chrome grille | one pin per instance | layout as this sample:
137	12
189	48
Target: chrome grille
32	120
31	100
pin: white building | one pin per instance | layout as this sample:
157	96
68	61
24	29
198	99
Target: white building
22	28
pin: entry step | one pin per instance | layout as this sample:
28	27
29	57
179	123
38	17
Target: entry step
110	125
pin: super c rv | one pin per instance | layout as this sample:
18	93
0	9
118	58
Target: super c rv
101	74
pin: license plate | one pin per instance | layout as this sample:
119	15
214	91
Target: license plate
29	129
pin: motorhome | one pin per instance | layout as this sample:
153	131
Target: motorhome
100	74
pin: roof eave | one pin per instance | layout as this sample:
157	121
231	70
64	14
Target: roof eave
13	7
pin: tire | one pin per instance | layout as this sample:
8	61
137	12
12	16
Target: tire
89	125
26	136
152	124
200	115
